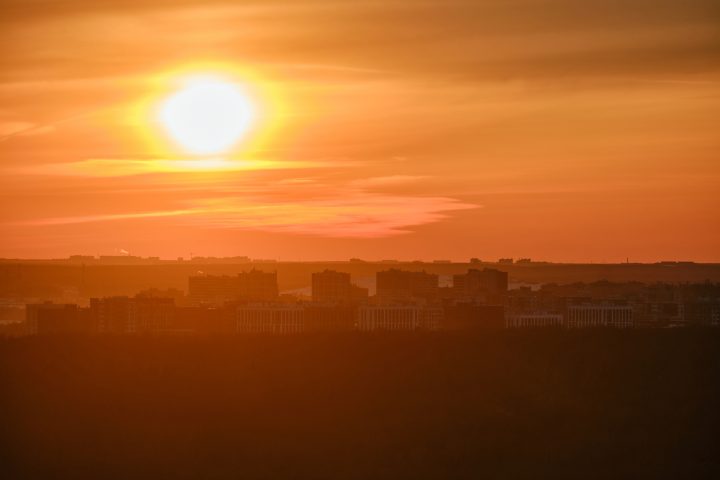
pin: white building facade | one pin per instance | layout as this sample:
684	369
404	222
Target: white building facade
273	319
373	318
534	320
600	315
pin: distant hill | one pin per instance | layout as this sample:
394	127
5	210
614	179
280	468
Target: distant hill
48	278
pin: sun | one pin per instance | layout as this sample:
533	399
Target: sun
207	115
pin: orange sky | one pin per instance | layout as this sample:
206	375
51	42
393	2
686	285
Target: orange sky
552	129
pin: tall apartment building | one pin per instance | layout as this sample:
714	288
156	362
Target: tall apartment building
110	314
152	315
212	289
400	286
48	317
334	287
252	286
330	286
258	286
487	285
121	315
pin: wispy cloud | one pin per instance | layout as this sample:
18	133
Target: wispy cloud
358	214
105	217
23	129
351	213
387	180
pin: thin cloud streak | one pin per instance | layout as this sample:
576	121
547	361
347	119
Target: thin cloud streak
390	180
356	215
104	218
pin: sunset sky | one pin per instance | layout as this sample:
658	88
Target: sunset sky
554	129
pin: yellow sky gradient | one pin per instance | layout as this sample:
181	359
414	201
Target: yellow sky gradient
551	129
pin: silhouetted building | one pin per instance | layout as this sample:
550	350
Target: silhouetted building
535	320
659	314
274	319
212	289
49	318
81	258
702	313
110	314
371	318
330	318
152	315
331	287
177	295
258	286
252	286
599	315
120	259
206	320
487	285
121	315
473	316
12	312
400	286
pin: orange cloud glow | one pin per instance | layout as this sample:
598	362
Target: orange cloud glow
586	132
314	209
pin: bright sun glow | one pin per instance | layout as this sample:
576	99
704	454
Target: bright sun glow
207	116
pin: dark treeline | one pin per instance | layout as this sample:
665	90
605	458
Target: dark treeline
511	404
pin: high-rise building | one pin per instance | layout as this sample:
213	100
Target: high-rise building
122	315
110	314
252	286
152	315
212	289
487	285
48	317
258	286
330	286
401	286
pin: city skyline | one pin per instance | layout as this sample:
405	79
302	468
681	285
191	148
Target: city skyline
474	300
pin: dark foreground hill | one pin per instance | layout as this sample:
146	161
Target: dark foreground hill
603	404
